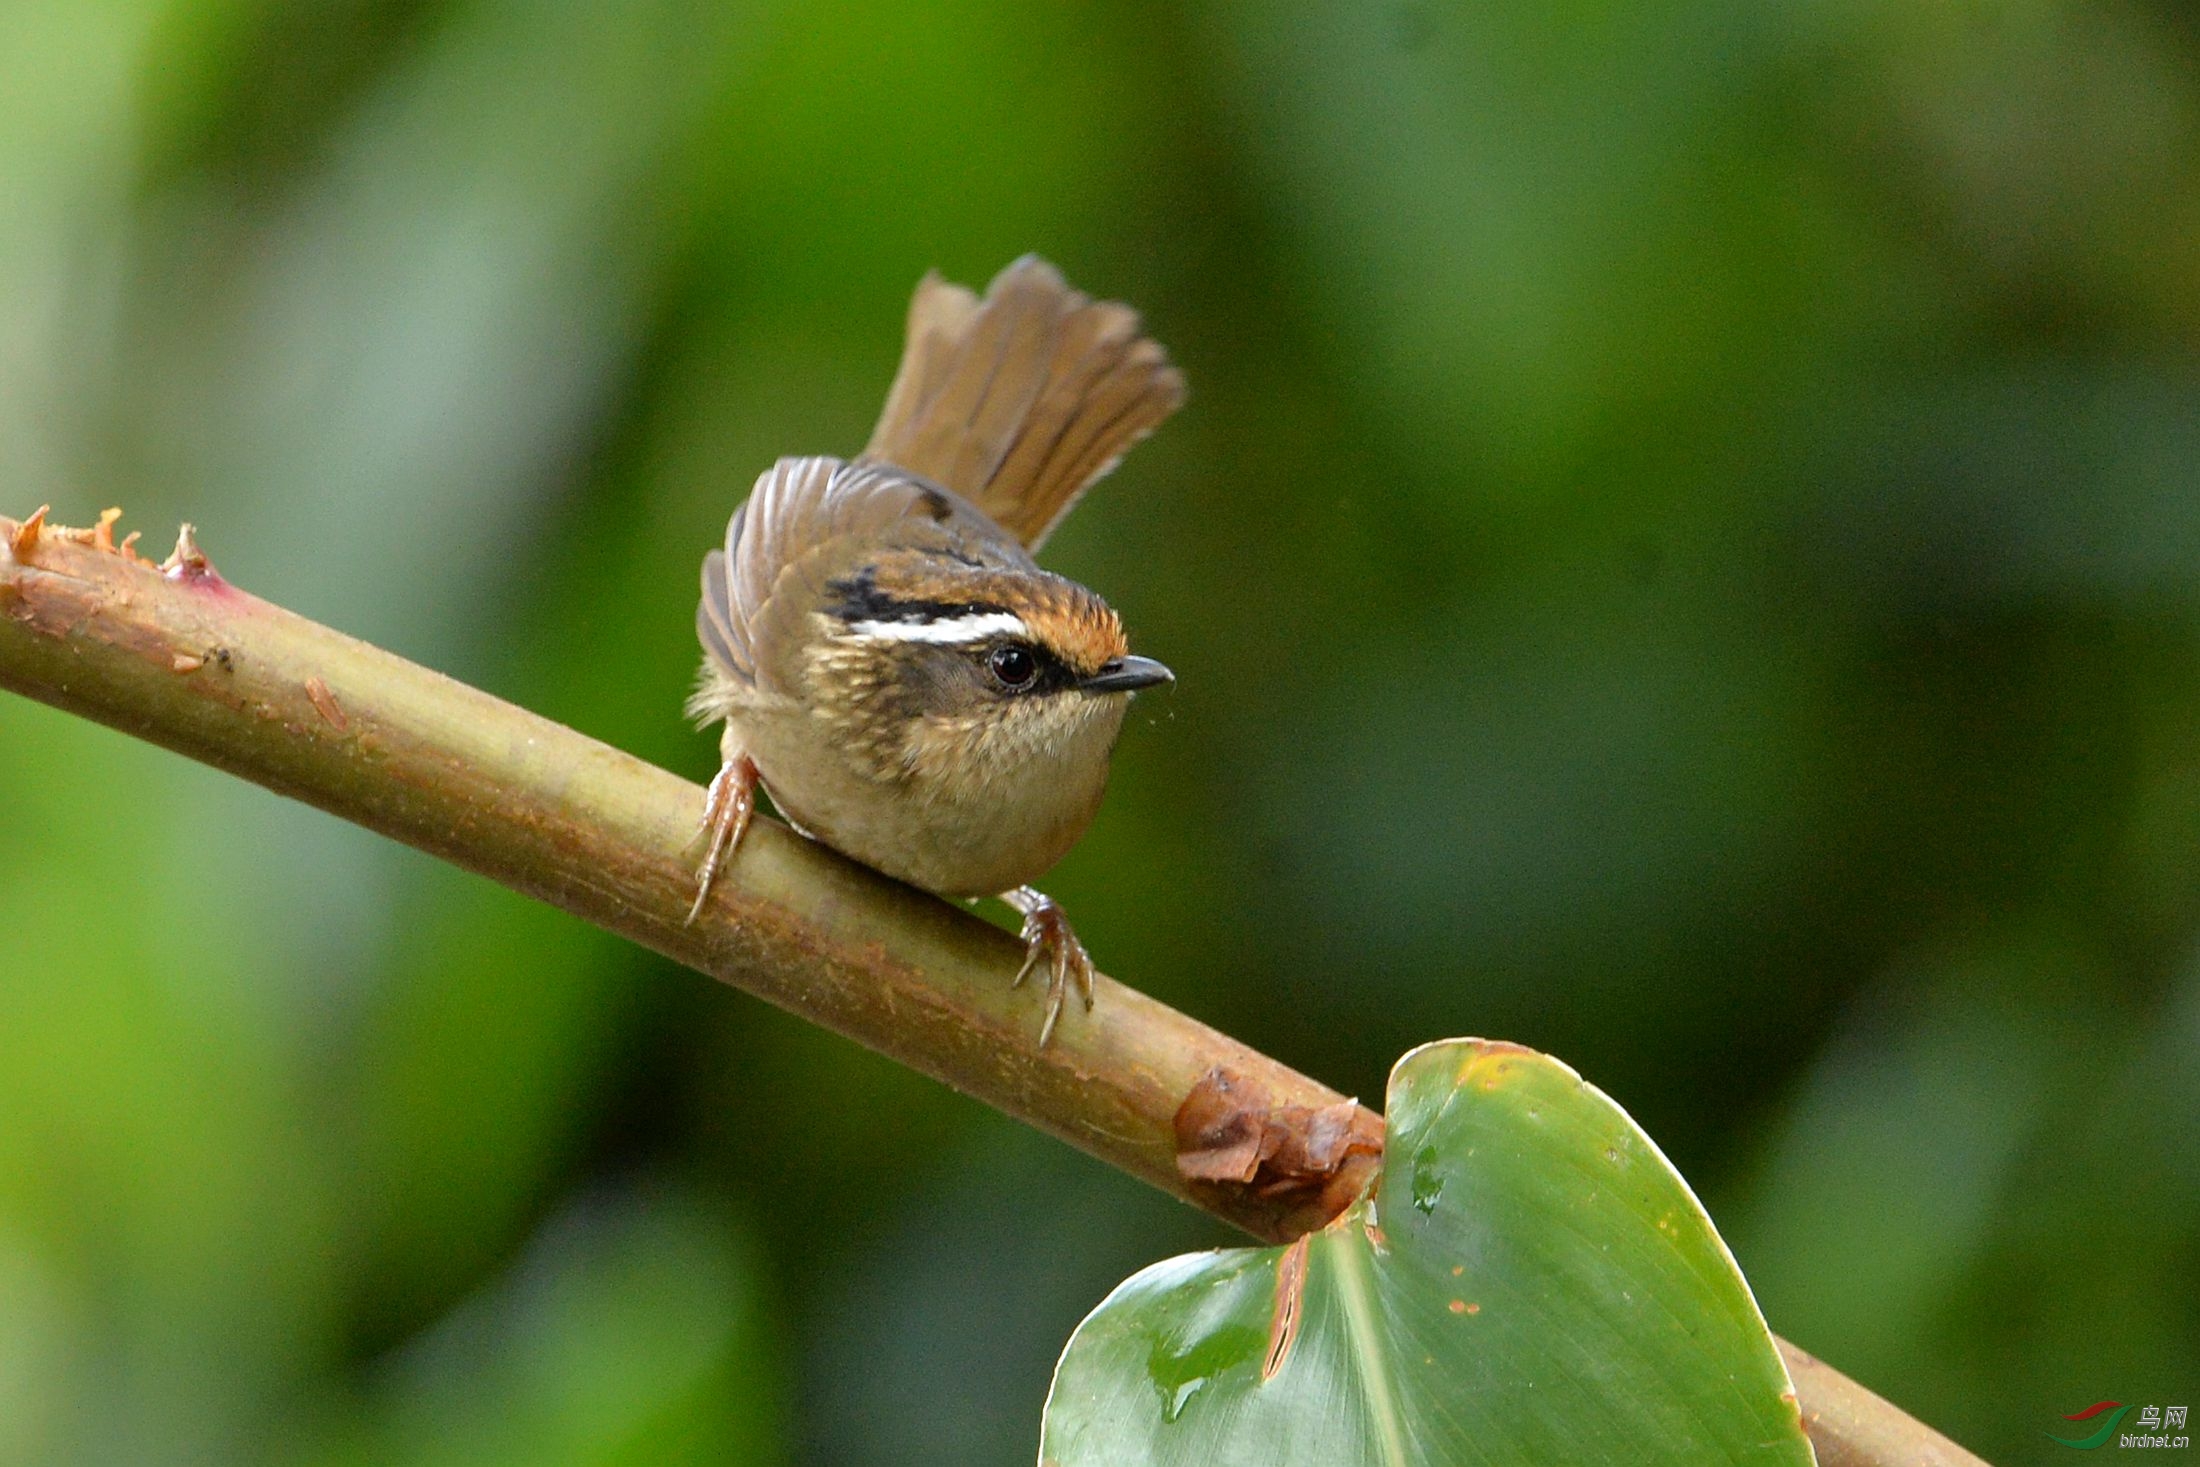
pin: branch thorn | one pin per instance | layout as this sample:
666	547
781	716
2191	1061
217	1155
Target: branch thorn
25	539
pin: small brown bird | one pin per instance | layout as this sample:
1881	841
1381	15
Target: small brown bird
892	666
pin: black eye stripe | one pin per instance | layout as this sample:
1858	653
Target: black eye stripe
1049	673
860	598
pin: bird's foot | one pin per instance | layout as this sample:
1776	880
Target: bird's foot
1048	937
725	816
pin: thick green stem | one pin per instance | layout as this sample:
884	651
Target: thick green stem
176	655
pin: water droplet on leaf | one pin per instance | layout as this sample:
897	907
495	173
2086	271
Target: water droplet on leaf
1428	1182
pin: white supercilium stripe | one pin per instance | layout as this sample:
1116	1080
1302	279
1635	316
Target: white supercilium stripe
973	628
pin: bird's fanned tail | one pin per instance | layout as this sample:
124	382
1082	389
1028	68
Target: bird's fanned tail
1019	401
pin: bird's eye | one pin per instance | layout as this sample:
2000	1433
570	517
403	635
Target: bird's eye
1013	667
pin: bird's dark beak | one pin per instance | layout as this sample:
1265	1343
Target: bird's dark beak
1127	675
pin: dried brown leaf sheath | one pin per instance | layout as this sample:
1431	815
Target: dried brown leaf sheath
1308	1160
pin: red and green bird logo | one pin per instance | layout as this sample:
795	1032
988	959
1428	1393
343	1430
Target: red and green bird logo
2099	1438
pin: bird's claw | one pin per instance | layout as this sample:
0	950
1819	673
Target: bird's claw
726	815
1049	938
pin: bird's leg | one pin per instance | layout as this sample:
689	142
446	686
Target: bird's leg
1047	935
726	814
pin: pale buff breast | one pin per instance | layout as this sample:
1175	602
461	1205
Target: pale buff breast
990	808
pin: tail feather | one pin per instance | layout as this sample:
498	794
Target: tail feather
1019	401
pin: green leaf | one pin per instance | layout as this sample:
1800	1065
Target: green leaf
1529	1282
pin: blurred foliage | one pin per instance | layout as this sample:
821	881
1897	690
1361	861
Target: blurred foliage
1683	552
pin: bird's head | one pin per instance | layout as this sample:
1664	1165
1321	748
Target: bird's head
962	674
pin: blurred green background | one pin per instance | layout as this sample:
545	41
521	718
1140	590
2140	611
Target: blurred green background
1684	551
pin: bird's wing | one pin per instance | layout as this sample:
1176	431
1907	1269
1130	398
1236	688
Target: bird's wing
809	522
1021	400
